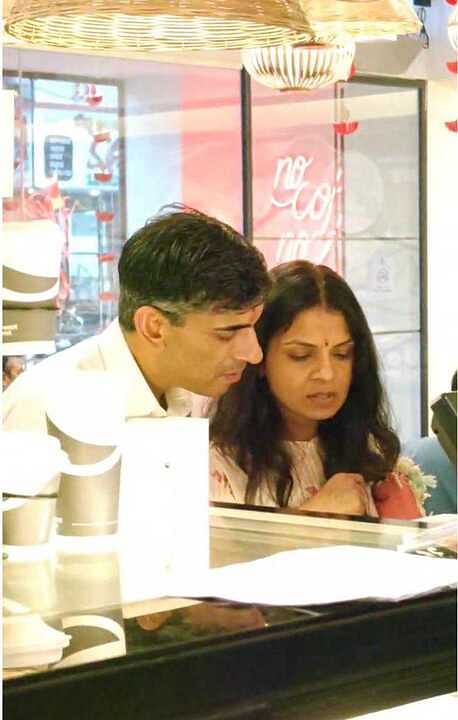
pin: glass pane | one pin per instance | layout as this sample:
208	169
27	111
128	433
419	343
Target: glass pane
99	157
400	364
297	180
384	275
381	160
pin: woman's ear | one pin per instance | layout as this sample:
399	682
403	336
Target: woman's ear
151	324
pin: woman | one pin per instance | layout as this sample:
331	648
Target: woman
308	428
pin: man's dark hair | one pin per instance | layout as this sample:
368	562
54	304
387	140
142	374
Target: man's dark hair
248	425
183	260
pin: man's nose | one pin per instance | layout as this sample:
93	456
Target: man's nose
247	347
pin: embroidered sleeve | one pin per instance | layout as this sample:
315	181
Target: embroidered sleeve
403	492
419	482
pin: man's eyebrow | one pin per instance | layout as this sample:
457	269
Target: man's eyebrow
240	326
311	345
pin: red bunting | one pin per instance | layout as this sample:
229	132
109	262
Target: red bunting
104	216
92	98
346	128
107	296
103	176
102	137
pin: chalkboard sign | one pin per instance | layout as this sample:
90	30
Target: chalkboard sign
59	157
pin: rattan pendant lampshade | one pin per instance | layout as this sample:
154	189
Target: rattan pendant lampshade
361	18
146	25
453	29
137	26
299	68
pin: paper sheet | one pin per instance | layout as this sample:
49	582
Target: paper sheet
319	576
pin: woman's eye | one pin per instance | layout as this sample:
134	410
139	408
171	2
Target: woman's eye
343	356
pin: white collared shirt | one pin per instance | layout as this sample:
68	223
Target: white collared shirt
25	399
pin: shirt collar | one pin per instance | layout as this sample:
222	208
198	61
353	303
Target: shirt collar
141	401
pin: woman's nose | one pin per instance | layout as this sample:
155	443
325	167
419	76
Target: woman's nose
324	370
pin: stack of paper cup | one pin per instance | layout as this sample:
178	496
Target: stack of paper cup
32	253
32	464
85	411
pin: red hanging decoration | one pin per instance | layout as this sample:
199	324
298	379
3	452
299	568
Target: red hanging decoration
53	190
103	176
92	98
106	257
10	205
352	71
452	125
451	2
102	137
107	296
345	128
452	66
104	216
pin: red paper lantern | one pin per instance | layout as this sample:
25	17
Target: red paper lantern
104	216
346	128
10	205
452	66
92	98
451	2
53	190
102	137
103	176
452	125
107	296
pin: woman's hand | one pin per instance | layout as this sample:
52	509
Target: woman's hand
343	493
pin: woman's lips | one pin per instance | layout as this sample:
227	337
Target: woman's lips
322	398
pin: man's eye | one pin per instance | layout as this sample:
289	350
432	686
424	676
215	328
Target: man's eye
299	357
225	334
343	355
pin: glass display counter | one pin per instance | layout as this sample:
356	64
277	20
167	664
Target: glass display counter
74	648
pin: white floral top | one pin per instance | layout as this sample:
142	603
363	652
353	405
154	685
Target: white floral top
228	481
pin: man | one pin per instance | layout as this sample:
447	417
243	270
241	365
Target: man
191	291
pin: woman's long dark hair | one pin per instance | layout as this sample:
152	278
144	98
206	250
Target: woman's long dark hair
247	424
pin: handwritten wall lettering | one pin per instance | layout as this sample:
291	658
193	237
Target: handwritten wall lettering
307	201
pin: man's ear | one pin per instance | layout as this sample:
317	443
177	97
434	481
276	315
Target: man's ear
151	324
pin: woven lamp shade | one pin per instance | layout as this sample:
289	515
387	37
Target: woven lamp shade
369	18
150	25
453	29
299	68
